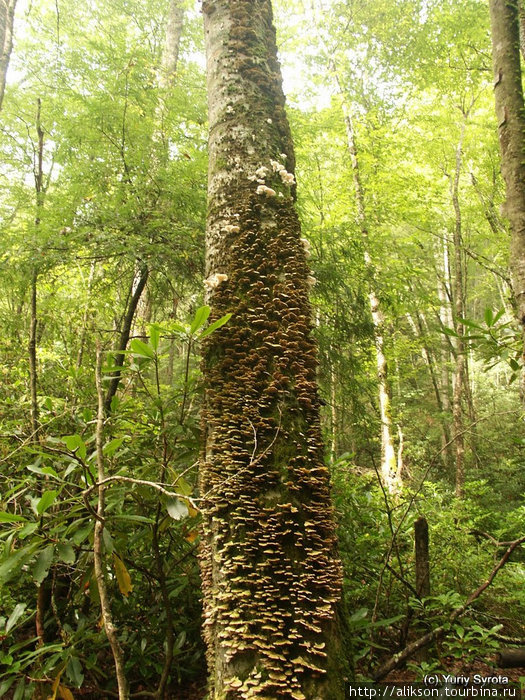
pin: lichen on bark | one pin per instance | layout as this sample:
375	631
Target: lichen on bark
270	569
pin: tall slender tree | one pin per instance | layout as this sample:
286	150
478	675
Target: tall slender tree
7	18
270	568
510	111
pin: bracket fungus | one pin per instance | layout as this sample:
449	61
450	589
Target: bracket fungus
271	575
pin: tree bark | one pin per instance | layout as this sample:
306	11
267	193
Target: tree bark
422	557
271	574
510	112
170	53
510	658
7	17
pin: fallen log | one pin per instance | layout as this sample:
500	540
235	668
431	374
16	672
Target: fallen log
510	658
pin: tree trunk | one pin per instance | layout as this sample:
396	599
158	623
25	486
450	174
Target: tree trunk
170	53
459	313
270	570
7	17
389	472
422	557
137	287
510	111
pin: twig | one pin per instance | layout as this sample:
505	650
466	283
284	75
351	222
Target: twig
487	536
140	482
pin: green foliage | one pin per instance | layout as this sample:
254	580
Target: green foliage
378	555
124	188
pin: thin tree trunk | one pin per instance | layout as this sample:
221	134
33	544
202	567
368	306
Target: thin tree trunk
85	317
38	173
137	287
510	111
33	367
271	574
334	423
170	53
98	546
389	472
7	17
422	557
459	313
165	79
420	329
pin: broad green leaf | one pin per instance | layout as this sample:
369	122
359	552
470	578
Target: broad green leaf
359	615
74	671
122	574
81	534
5	685
178	328
215	325
112	446
182	486
14	617
138	347
154	335
11	518
15	561
43	563
45	501
489	317
44	471
108	540
66	553
497	317
176	508
27	530
74	443
133	518
201	316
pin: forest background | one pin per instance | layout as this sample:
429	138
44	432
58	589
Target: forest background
103	140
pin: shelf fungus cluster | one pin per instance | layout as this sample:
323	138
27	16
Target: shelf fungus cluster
270	570
270	574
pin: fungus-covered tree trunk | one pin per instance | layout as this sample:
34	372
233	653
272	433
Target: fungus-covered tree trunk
510	112
270	568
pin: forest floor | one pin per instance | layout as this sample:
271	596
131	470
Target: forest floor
404	676
456	668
